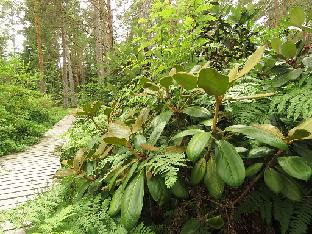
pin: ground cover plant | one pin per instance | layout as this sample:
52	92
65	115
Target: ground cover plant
25	114
202	123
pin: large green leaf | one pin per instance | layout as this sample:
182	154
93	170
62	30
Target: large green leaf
252	61
213	82
158	189
118	134
166	81
291	190
179	190
261	135
115	203
297	16
212	180
273	180
141	119
197	111
296	167
132	202
159	124
198	171
230	166
288	49
186	80
196	145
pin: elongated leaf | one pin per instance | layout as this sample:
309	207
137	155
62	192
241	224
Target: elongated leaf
139	140
132	202
212	180
291	190
188	132
115	203
159	124
158	189
186	80
252	61
273	180
198	171
213	82
230	166
197	111
295	167
288	49
260	135
179	190
130	173
118	134
196	145
253	169
233	74
297	16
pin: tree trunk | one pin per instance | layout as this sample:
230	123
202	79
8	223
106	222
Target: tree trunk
109	31
276	10
37	20
64	76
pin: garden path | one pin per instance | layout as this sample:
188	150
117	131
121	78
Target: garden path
25	175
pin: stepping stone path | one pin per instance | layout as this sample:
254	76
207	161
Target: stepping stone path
25	175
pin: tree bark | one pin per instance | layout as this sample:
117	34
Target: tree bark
64	75
37	21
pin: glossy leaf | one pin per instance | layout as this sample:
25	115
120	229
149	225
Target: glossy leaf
212	180
157	189
273	180
179	190
198	171
213	82
132	202
141	119
260	152
261	135
139	140
159	124
291	190
196	145
305	125
230	166
197	111
295	167
115	203
186	80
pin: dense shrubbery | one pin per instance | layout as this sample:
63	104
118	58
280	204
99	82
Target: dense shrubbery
25	114
191	144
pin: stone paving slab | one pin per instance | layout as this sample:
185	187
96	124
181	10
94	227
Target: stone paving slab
25	175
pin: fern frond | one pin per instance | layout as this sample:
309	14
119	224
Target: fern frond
302	217
167	165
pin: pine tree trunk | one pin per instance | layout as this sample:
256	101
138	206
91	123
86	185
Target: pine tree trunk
37	20
64	76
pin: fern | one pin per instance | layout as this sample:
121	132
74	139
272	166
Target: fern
167	165
295	101
302	217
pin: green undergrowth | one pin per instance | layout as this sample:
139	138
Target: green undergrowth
65	209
